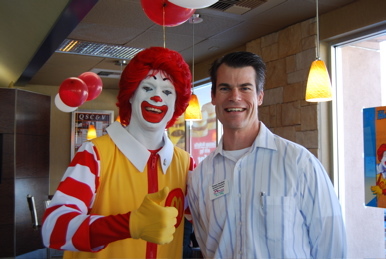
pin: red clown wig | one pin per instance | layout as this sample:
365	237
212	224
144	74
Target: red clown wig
157	59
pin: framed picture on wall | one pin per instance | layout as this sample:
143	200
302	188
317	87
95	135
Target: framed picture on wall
80	124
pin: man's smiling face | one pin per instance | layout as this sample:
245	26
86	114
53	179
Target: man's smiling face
236	99
153	102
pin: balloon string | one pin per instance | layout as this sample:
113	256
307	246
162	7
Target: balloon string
163	27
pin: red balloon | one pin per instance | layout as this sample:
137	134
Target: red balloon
94	84
166	13
73	92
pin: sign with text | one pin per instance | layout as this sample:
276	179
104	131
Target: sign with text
82	119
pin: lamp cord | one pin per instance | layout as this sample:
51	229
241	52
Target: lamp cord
317	30
193	56
163	24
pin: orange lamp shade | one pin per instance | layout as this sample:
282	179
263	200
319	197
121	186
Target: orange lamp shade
91	132
318	83
193	112
118	119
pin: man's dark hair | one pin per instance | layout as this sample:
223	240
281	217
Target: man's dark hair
238	60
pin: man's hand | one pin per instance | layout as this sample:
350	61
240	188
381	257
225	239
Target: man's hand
152	222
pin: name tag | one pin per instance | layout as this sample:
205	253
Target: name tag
219	189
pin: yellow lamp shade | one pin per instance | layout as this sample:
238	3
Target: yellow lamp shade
193	112
118	118
91	132
318	84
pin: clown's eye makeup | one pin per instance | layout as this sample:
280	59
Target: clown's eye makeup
167	92
147	88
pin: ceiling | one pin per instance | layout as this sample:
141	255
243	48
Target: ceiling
224	27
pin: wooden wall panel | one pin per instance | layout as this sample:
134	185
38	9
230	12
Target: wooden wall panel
32	155
7	110
24	169
28	237
32	113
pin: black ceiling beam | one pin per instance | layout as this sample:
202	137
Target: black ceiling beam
71	16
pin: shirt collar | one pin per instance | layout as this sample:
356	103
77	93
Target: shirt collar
265	139
135	151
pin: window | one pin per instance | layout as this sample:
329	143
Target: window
359	76
204	134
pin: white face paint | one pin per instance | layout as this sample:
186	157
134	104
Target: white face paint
152	105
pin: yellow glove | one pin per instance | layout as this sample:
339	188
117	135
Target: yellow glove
376	189
152	222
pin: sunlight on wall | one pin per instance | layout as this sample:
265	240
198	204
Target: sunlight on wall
383	68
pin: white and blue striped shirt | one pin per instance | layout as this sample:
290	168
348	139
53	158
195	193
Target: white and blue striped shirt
276	201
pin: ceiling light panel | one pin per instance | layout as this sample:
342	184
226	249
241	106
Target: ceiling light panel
97	49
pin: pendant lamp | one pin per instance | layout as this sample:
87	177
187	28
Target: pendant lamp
91	132
318	83
193	112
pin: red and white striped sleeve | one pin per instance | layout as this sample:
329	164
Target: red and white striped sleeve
67	224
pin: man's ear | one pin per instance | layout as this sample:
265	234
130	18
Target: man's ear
260	97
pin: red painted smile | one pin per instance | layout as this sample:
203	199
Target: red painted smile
153	114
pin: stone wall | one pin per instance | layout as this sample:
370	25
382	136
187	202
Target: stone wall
288	55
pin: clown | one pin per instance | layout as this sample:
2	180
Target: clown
380	188
123	194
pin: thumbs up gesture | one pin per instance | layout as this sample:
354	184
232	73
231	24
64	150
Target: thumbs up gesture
152	222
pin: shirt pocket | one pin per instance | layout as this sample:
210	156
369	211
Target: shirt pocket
279	214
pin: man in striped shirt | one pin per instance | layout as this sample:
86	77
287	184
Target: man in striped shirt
259	195
123	194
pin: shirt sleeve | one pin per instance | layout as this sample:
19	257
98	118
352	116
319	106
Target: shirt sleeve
192	166
322	212
67	224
